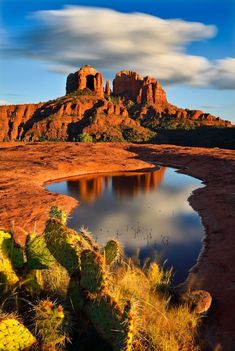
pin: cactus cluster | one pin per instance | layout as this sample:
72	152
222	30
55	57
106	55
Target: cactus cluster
88	296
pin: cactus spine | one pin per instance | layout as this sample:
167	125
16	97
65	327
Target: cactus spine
86	235
49	320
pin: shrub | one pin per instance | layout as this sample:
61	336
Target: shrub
85	138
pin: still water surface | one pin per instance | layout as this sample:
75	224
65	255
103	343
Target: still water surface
147	212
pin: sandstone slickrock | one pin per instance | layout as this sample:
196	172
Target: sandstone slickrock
136	109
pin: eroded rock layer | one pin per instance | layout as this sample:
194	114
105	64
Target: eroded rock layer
135	109
141	90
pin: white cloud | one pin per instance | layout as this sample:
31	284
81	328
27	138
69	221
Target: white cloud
223	74
111	40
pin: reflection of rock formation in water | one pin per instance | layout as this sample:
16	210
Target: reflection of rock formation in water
89	188
123	184
128	185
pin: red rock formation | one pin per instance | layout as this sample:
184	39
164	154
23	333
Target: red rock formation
107	89
13	119
105	117
86	77
127	84
132	86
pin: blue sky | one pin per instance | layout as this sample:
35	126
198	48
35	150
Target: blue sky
188	46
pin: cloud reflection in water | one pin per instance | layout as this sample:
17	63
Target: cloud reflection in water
148	212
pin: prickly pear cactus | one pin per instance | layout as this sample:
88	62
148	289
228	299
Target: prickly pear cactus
109	321
57	213
14	336
92	275
112	251
128	325
64	244
8	276
75	300
9	248
38	255
49	319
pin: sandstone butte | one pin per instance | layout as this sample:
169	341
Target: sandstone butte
133	110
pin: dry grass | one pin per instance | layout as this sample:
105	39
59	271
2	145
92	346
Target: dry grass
160	325
56	280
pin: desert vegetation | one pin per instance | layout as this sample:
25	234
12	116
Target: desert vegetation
62	291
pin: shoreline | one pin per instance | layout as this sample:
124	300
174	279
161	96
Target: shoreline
26	167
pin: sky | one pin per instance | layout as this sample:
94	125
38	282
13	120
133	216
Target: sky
189	46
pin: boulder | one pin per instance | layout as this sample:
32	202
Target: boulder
200	300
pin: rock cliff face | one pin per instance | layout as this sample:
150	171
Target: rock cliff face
135	109
86	77
132	86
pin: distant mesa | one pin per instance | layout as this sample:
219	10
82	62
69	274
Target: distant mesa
134	109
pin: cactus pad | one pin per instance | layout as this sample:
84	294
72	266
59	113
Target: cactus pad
75	299
128	325
57	213
14	336
109	321
8	276
49	319
38	255
8	248
93	276
64	244
112	251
